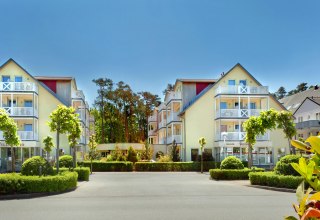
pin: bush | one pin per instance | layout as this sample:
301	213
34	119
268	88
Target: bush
66	161
283	166
207	156
31	167
231	162
165	159
236	174
119	166
274	180
158	154
132	155
17	183
173	166
83	172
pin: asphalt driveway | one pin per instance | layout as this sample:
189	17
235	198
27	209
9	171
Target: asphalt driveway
153	196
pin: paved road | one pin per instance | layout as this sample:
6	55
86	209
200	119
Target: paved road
153	196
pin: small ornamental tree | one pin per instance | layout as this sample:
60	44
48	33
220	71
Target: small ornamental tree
147	152
267	120
202	142
10	134
48	145
73	137
93	153
61	122
132	155
175	152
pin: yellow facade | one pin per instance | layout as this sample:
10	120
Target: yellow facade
30	104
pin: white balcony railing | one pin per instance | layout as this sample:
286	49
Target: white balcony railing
152	118
78	95
21	111
162	124
237	136
177	138
82	114
238	113
242	90
173	116
19	86
173	95
24	135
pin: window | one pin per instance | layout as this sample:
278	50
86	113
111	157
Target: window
28	103
243	82
27	127
223	105
231	82
14	103
5	78
252	105
236	104
18	79
236	127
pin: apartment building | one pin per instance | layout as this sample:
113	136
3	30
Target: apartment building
305	107
216	110
29	100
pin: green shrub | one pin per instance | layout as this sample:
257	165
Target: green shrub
274	180
173	166
119	166
231	162
283	166
66	161
158	154
31	167
165	159
245	163
17	183
83	172
218	174
132	155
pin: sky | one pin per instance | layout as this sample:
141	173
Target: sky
150	43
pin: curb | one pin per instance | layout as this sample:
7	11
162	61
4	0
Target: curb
273	188
33	195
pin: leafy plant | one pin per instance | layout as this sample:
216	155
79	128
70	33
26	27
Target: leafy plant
283	166
36	166
231	162
93	153
132	155
165	158
48	145
202	142
66	161
158	154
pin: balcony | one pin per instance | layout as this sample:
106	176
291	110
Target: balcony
24	135
162	140
152	133
238	113
177	138
162	124
173	116
82	115
242	90
308	124
18	86
78	95
238	136
152	118
21	111
173	96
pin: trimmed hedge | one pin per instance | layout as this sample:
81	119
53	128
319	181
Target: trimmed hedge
112	166
17	183
66	161
83	172
232	163
31	167
173	166
274	180
218	174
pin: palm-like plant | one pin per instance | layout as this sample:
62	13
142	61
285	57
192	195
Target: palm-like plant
202	142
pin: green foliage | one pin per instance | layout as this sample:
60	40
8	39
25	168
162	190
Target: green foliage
274	180
218	174
231	162
165	158
147	152
116	166
83	172
158	154
173	166
132	155
175	152
31	167
283	166
17	183
48	143
66	161
117	155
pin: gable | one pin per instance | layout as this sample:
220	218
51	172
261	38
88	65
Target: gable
11	69
307	106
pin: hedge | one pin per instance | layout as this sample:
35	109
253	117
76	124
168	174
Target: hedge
17	183
118	166
218	174
274	180
173	166
83	172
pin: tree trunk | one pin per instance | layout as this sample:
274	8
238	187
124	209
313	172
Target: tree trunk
201	161
292	149
13	168
48	154
91	166
250	156
57	153
74	152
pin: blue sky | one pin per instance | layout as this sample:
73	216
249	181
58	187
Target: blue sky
149	43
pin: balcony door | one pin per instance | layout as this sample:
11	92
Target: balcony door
6	84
